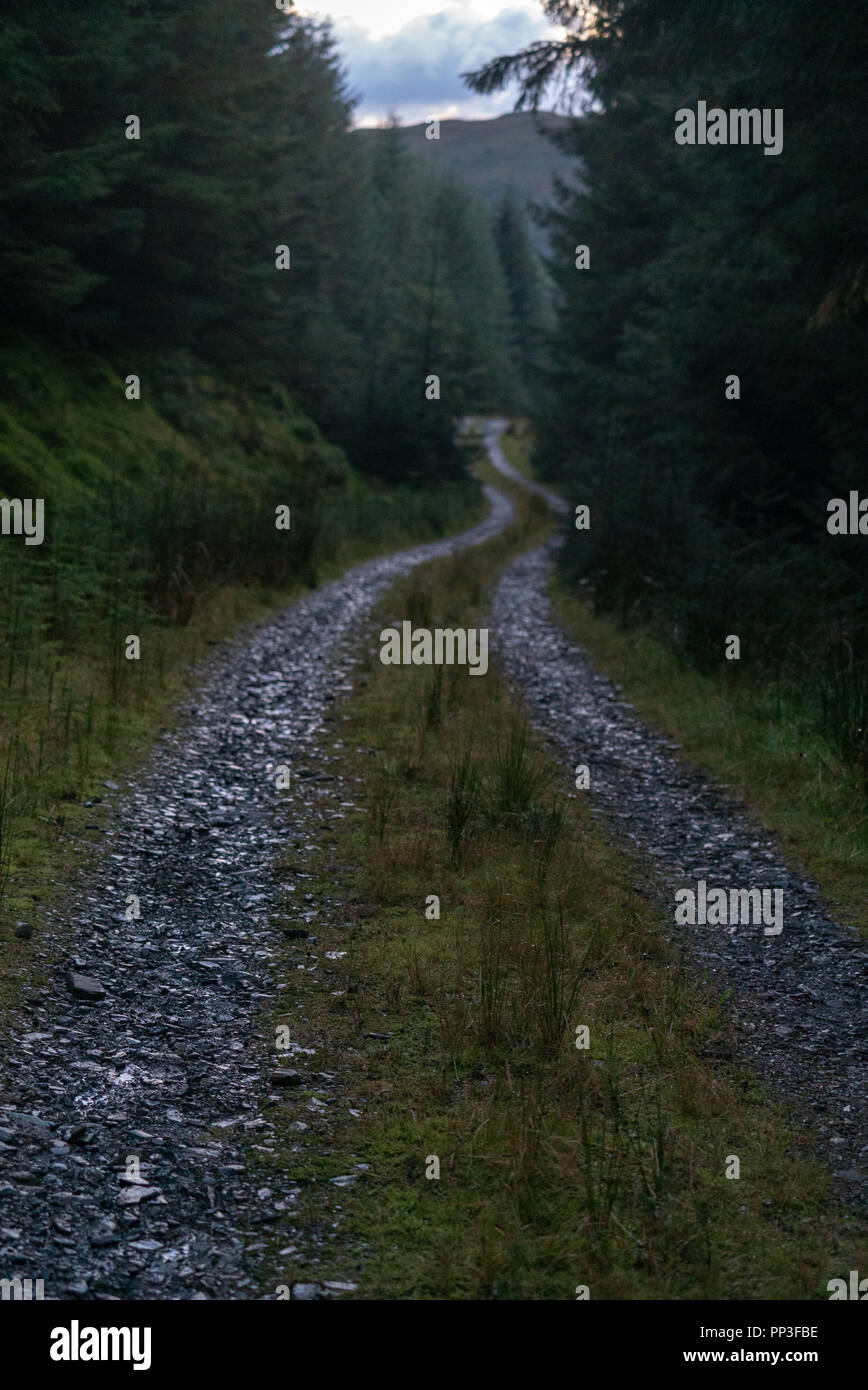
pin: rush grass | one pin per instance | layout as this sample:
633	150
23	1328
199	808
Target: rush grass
455	1038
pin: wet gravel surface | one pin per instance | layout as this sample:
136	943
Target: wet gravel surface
136	1088
798	997
135	1085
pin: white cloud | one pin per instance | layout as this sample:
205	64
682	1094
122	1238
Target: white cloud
382	17
412	66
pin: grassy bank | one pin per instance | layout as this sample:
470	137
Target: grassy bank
454	1037
159	523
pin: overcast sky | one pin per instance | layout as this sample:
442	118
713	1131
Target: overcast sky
406	55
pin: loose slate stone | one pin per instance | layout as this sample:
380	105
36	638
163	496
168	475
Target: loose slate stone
284	1077
30	1124
85	987
132	1196
100	1239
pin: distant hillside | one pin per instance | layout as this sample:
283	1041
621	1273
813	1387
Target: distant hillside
491	155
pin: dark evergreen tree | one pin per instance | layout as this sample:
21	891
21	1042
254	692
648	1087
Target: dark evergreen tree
163	250
529	296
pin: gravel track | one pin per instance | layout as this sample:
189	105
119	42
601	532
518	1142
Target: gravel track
168	1067
798	998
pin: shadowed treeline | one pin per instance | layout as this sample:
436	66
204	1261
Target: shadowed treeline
181	182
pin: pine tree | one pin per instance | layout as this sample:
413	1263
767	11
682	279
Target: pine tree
529	295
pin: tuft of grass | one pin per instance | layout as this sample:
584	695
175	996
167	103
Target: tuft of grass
519	775
842	697
463	804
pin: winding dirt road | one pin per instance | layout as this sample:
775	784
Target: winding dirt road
127	1120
